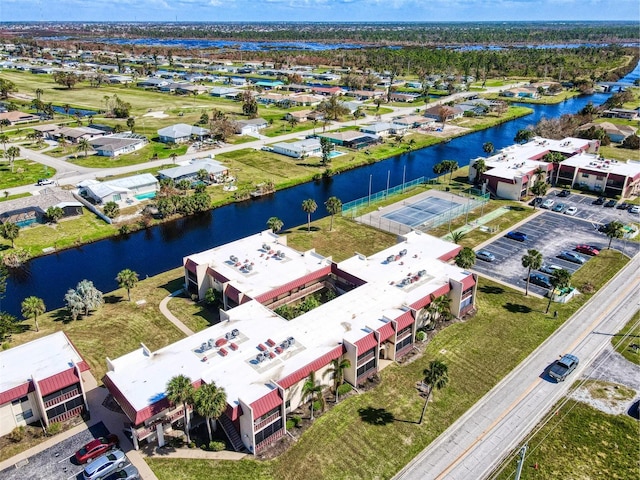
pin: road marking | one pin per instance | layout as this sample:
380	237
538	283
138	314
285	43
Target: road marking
65	459
585	332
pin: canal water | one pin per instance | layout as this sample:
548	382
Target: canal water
161	248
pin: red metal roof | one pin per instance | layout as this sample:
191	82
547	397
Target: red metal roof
265	404
468	282
347	276
83	366
404	320
16	392
317	364
190	265
450	254
386	331
217	275
233	412
365	344
298	282
424	301
58	381
233	293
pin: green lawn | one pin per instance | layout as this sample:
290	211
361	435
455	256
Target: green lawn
622	346
24	172
145	154
616	152
581	442
491	119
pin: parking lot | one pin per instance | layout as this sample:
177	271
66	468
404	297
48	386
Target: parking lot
58	462
549	233
590	212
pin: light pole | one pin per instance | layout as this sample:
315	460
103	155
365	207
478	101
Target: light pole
369	201
388	178
404	173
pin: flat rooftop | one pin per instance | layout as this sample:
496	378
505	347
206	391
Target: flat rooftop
41	358
593	162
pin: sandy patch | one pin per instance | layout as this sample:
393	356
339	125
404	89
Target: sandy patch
159	114
605	396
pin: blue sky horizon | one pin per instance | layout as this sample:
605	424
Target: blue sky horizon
318	10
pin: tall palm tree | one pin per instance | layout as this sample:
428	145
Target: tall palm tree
4	138
532	260
180	390
334	206
309	206
39	93
466	258
338	366
210	402
313	390
127	279
560	279
32	307
613	230
440	308
435	376
539	189
84	145
275	224
9	231
12	153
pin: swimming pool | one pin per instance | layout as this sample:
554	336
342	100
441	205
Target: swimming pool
335	153
146	196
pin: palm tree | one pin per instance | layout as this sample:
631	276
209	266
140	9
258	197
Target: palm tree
309	206
435	376
12	153
613	230
440	308
456	237
173	156
275	224
560	279
334	206
180	390
488	147
84	145
39	93
32	307
532	260
210	402
4	123
337	369
466	258
127	279
539	189
9	231
4	138
312	390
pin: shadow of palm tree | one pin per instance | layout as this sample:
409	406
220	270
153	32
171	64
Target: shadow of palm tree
375	416
516	308
112	298
173	285
61	315
491	289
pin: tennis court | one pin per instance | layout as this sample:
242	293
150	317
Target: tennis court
420	212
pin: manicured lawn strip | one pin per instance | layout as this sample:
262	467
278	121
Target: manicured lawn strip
490	120
145	154
25	172
582	442
517	213
5	198
118	326
191	469
195	315
616	152
623	347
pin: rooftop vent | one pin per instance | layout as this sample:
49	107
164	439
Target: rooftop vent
403	252
233	258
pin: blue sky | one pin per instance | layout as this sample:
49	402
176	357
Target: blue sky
317	10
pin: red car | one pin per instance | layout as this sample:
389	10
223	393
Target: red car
588	249
97	447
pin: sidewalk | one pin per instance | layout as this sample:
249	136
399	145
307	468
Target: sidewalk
171	317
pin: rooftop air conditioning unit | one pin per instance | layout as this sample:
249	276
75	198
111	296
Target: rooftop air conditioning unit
235	332
265	247
291	341
281	254
403	252
422	273
390	258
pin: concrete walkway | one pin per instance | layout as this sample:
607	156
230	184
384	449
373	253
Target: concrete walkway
171	317
170	452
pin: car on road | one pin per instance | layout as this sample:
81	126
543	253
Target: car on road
572	257
550	268
97	447
588	249
127	473
559	207
564	193
104	465
622	206
561	369
485	255
540	280
519	236
634	209
599	201
45	181
610	204
548	203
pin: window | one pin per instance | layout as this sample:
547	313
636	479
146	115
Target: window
62	391
20	400
370	365
268	414
467	301
22	416
268	431
403	343
585	175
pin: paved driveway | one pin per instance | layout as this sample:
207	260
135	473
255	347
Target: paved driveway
590	212
55	463
550	233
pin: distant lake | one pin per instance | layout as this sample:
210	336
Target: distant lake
72	111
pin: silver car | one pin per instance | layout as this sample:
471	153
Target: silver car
127	473
104	465
485	255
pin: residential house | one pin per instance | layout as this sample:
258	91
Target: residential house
15	117
414	121
521	92
435	113
299	115
616	133
328	91
403	97
624	113
305	100
225	92
269	84
366	94
118	144
299	149
252	125
33	209
70	134
121	190
384	129
152	82
351	139
181	133
215	170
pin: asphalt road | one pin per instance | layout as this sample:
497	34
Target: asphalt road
476	444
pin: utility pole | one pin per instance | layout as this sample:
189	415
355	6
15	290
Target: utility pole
523	452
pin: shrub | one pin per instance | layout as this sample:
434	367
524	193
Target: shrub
124	229
192	444
54	428
317	176
17	434
344	389
290	424
421	336
317	406
216	446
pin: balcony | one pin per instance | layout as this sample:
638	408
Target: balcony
74	412
257	426
271	439
366	358
61	398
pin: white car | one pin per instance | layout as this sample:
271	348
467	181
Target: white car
635	209
571	211
547	204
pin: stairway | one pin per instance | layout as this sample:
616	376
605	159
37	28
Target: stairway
232	433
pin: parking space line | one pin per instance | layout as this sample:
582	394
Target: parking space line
66	459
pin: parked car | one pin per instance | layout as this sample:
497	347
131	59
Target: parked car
572	257
104	465
485	255
127	473
540	280
564	193
535	202
622	206
97	447
45	181
599	201
588	249
561	369
571	211
634	209
610	204
559	207
549	268
519	236
548	203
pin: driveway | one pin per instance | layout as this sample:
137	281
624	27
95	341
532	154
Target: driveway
550	233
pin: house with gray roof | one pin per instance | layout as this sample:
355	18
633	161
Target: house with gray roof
118	144
181	133
28	210
308	147
190	172
252	125
119	190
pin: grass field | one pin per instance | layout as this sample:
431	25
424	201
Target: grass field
146	153
581	442
623	346
615	152
24	172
